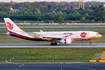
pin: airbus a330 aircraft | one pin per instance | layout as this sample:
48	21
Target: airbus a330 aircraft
64	37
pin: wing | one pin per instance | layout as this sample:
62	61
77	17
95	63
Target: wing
49	38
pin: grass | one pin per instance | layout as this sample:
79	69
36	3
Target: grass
49	53
46	55
99	55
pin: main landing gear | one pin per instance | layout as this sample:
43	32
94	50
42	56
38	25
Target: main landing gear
54	43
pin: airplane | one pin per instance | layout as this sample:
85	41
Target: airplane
64	37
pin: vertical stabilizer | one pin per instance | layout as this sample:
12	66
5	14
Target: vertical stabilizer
11	26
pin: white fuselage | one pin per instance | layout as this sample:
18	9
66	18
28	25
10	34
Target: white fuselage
76	35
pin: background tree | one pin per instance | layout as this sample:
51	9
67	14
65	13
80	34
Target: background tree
61	19
83	19
51	11
37	11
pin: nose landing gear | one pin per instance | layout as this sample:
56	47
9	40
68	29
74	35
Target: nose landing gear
91	42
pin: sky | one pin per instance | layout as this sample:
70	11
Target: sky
48	0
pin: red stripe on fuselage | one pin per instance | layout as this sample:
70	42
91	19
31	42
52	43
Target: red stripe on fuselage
11	32
68	35
25	37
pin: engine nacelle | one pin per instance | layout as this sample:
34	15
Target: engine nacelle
8	33
65	41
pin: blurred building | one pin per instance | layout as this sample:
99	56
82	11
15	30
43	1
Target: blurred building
81	4
70	7
1	4
14	10
12	3
104	5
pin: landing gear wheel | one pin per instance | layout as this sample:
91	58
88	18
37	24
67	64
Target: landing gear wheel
53	43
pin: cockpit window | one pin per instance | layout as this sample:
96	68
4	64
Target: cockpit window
97	33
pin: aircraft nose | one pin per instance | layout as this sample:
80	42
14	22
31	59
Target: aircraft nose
95	37
99	36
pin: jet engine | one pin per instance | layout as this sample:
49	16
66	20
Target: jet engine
65	41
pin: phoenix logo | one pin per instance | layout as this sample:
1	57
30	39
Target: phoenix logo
83	34
9	25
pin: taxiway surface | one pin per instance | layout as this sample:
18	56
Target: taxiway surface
54	66
52	46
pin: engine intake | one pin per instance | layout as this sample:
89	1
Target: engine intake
65	41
